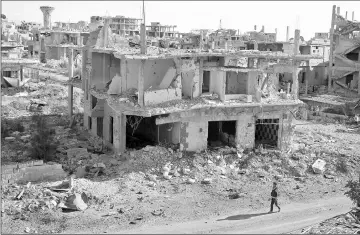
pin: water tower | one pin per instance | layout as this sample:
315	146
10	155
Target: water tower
47	16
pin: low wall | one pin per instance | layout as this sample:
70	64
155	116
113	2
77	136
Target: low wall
33	171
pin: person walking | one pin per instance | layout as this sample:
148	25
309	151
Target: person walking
274	195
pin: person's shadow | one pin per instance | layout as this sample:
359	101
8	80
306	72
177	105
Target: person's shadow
243	217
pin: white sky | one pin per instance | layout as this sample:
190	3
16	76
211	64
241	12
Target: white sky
308	16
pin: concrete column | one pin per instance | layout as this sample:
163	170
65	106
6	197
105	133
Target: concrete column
120	133
70	86
142	39
255	45
306	83
71	63
70	99
245	131
21	73
141	83
331	56
123	69
201	75
83	68
287	33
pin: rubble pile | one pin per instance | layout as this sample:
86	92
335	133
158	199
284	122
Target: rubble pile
348	223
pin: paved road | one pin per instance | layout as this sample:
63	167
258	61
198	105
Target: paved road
292	217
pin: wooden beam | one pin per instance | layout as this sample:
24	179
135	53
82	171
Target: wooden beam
141	83
331	57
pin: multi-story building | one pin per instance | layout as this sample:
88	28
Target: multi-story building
314	76
124	26
344	55
158	30
13	65
190	99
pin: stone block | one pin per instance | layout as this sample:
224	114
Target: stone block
4	181
38	163
319	166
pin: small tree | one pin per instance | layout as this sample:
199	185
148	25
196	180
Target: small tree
354	191
42	140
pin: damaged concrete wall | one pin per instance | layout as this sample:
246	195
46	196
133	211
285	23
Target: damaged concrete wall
190	78
154	97
118	129
154	71
169	133
193	136
236	83
217	83
245	131
97	70
253	86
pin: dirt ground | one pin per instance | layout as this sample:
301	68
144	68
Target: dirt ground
132	191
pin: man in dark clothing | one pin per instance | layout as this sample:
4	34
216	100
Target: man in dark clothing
274	195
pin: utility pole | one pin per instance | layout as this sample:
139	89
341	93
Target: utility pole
331	59
143	33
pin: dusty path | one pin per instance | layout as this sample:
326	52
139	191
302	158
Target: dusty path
293	216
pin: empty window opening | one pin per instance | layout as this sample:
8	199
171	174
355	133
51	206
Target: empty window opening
267	133
90	122
303	77
7	74
236	83
140	131
99	126
111	130
221	133
348	79
206	82
284	80
93	101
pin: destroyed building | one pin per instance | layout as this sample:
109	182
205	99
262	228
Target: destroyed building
189	98
155	29
344	56
121	25
14	71
314	76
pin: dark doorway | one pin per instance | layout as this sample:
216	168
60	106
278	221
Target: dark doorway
267	133
90	122
99	124
93	101
111	130
206	82
140	131
221	133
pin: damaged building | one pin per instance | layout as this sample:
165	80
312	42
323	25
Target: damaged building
190	99
344	67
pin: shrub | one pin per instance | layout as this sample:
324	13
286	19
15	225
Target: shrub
354	191
8	126
42	141
341	166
